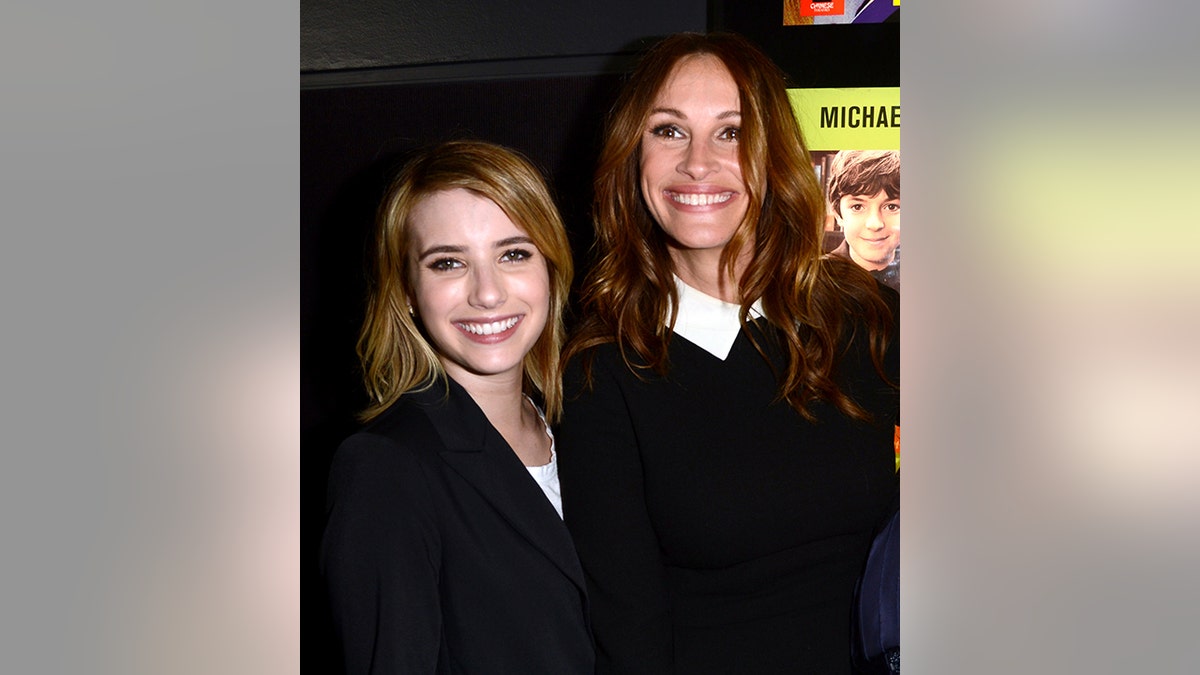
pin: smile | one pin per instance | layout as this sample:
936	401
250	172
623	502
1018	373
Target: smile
491	328
697	199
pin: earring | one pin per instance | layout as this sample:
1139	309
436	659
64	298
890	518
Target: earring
411	312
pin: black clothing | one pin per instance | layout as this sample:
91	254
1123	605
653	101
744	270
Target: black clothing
442	554
719	531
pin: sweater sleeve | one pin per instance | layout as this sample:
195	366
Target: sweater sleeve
379	557
604	507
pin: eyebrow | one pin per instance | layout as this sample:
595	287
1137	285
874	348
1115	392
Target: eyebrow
446	248
677	113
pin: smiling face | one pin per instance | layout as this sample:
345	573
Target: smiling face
691	177
481	288
872	228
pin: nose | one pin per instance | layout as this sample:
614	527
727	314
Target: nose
698	161
874	219
487	288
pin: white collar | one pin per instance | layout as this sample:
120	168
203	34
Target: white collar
710	323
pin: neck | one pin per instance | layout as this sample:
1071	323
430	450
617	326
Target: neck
500	397
503	402
702	271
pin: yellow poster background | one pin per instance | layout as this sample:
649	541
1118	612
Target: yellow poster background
860	118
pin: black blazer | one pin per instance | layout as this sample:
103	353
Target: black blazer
442	554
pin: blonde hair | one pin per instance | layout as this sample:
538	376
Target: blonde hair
396	357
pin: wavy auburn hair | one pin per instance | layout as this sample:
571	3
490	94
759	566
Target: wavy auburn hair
396	356
629	296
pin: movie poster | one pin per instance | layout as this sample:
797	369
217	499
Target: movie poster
853	136
815	12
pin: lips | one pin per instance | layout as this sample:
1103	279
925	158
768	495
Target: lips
699	198
488	329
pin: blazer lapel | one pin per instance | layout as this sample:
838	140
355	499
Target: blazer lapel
478	453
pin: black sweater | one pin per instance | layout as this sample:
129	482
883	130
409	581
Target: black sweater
719	531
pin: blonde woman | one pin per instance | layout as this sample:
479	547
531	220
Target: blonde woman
445	549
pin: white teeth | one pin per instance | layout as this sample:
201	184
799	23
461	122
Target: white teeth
489	328
694	199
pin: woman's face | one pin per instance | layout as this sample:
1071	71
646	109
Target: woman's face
691	178
481	288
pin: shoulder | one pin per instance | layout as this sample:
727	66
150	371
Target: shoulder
387	469
606	353
397	438
599	382
857	289
876	313
408	415
891	298
586	364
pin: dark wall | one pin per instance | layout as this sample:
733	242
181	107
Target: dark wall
337	35
379	79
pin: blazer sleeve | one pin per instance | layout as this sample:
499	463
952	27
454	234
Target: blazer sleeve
604	507
379	556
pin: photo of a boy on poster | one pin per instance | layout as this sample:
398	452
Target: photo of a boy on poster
863	194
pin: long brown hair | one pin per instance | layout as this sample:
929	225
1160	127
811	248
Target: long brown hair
629	296
396	357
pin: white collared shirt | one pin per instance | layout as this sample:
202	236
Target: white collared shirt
710	323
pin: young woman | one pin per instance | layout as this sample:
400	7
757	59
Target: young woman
445	550
727	438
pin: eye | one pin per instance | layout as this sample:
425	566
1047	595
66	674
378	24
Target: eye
444	264
856	206
893	207
730	134
516	255
669	131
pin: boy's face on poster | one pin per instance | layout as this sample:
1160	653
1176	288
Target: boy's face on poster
872	228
